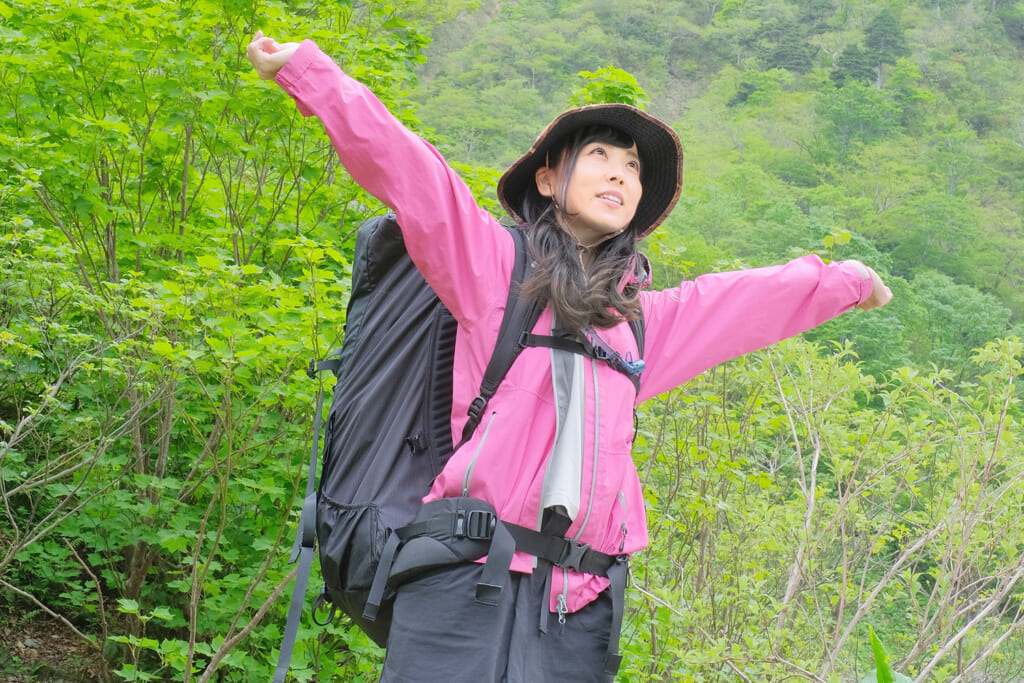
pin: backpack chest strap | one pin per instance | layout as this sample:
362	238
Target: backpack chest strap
563	340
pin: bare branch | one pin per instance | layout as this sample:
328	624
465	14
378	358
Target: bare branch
230	643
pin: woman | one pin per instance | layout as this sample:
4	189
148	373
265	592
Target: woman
553	450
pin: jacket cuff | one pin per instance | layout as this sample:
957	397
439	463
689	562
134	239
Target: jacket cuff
864	281
295	69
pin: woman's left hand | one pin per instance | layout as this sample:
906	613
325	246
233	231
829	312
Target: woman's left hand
880	294
268	56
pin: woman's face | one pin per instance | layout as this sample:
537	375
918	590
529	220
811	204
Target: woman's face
601	196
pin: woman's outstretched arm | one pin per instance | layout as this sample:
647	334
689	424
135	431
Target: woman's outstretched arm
461	249
719	316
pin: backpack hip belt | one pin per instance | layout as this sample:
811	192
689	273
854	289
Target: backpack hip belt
455	530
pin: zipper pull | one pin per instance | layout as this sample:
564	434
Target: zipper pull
563	609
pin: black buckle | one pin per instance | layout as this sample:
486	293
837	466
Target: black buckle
476	525
572	555
417	443
477	407
488	594
311	369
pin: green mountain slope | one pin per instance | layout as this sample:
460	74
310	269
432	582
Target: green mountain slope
891	133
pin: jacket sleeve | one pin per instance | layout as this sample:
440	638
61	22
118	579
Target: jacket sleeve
462	251
720	316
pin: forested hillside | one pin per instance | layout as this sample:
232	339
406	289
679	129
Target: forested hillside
889	132
175	245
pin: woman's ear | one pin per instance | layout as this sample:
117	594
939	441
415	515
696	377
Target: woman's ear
545	177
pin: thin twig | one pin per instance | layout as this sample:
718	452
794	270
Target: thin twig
96	582
93	644
229	644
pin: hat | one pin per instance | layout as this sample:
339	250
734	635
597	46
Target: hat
661	158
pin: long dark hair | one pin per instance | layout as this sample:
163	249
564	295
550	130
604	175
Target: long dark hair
580	297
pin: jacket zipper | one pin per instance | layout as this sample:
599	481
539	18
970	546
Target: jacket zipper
597	450
625	516
467	477
563	607
562	604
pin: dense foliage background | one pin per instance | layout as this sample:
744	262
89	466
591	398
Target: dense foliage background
174	243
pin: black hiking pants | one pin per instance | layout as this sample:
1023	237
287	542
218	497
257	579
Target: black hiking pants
441	634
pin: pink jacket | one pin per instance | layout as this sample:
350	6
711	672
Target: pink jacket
466	256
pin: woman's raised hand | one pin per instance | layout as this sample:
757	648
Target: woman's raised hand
880	294
268	56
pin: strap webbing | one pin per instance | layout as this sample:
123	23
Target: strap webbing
617	574
305	541
380	578
560	551
499	557
639	332
563	340
294	615
519	317
558	342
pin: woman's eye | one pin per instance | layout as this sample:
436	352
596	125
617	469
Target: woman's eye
598	150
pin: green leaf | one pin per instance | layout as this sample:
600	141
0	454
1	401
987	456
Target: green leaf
883	671
208	261
127	605
609	85
162	613
162	347
172	287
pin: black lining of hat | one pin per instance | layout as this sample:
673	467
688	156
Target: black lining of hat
657	147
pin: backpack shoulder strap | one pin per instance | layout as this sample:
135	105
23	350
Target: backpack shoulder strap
639	330
519	318
639	333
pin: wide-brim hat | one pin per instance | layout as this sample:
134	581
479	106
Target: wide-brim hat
661	159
